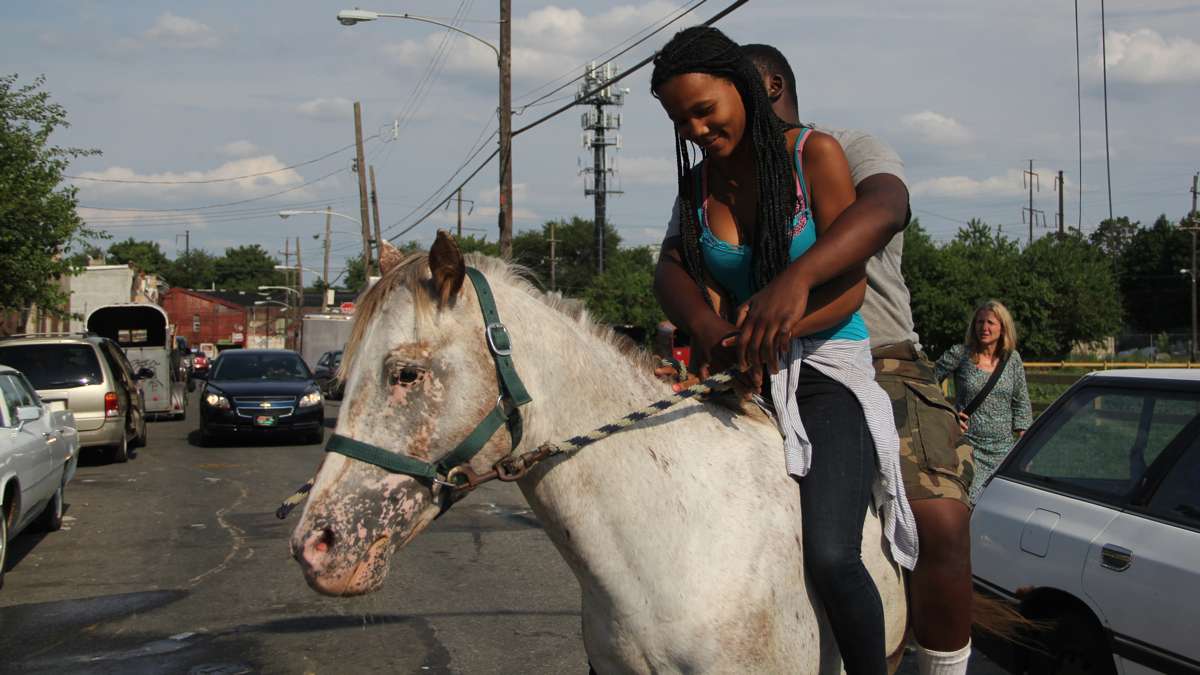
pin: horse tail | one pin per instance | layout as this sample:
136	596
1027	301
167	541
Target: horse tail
1002	620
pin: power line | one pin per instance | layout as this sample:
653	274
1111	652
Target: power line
544	118
600	60
209	180
221	205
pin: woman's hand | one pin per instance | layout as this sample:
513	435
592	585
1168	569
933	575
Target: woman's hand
767	322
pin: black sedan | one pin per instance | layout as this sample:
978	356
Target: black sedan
261	392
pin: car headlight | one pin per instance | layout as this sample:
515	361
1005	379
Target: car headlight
216	400
311	398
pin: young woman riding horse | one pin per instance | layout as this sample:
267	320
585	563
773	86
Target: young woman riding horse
757	201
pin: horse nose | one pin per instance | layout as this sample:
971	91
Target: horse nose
315	547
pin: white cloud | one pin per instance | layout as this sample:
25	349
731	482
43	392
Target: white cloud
1145	57
178	31
240	148
182	186
937	129
546	42
335	109
646	170
964	187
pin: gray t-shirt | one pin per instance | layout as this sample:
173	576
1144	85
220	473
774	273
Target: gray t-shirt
886	305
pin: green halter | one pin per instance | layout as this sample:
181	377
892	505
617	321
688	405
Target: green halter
506	413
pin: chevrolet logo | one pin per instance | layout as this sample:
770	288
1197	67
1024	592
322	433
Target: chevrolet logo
266	404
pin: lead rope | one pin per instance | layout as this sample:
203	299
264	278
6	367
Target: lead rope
513	467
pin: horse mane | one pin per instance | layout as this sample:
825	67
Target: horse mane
412	273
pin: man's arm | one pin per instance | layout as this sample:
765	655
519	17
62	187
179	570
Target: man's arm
878	213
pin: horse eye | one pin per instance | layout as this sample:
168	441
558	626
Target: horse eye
407	375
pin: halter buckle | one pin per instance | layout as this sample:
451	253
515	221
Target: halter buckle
500	343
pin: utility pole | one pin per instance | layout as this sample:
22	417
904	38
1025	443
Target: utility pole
325	269
506	205
596	124
1031	178
187	241
1191	226
460	200
553	241
378	231
298	323
460	213
1059	185
364	217
287	279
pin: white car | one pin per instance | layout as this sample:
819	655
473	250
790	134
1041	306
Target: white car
1093	525
39	449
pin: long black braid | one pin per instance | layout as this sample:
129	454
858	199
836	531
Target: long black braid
702	49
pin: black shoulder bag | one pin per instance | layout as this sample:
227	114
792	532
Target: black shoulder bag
987	388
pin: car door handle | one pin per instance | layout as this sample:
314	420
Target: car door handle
1115	558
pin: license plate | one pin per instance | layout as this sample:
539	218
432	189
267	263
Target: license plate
264	421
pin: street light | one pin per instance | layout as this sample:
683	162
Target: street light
327	213
349	17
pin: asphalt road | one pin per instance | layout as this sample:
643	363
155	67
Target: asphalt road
175	563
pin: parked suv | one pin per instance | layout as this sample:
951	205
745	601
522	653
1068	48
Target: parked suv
90	375
1092	524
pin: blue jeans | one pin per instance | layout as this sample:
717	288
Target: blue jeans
833	499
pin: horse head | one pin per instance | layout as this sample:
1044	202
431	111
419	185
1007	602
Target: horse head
419	377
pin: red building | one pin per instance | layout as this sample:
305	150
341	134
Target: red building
203	317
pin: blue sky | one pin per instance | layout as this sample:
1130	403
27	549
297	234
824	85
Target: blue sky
966	92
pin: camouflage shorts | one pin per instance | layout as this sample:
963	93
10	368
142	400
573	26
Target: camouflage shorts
934	460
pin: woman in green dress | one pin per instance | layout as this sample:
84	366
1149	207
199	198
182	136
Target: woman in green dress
1005	414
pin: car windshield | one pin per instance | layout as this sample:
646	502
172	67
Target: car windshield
54	366
260	367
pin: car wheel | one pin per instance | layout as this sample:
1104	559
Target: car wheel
206	439
317	437
3	544
52	517
1076	645
120	452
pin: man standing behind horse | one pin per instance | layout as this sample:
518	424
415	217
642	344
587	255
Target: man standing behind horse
936	467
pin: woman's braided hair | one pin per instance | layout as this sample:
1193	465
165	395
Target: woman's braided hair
702	49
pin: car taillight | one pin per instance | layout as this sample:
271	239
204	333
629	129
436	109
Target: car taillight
112	405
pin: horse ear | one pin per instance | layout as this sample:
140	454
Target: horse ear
446	264
389	257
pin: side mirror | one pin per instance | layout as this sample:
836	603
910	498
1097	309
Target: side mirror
144	373
27	413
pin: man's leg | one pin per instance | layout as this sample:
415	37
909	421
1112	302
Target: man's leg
940	587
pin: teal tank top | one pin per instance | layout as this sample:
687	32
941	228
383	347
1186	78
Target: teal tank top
730	264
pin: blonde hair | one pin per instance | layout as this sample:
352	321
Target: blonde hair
1008	331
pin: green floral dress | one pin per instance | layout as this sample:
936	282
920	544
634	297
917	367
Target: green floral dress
1004	412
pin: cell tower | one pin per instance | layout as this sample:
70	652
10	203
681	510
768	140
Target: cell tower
600	132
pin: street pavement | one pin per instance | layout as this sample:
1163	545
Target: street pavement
175	563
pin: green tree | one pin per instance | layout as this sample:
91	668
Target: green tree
947	283
1074	282
624	294
145	256
245	268
574	253
1113	237
1156	295
355	276
38	223
195	269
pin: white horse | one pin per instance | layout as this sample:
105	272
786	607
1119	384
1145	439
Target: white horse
683	531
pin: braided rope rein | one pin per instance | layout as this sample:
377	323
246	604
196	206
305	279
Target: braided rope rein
512	467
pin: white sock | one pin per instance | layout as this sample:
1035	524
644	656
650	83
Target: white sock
930	662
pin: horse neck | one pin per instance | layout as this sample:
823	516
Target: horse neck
578	378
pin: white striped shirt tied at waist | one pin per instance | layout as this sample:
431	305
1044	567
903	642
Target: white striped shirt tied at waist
848	362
